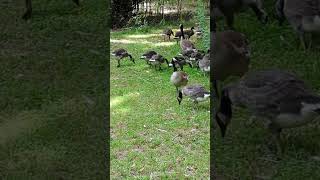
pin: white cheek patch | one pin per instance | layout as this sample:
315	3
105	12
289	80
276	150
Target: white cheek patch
309	107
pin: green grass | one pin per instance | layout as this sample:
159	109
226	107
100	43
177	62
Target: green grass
249	152
52	94
151	135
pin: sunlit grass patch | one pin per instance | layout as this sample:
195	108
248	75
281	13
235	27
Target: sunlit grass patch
153	135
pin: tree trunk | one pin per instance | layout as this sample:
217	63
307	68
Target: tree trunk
180	9
162	13
150	7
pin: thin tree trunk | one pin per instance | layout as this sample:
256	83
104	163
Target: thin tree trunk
149	7
138	7
145	8
180	9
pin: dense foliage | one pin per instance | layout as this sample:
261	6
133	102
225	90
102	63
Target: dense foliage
129	13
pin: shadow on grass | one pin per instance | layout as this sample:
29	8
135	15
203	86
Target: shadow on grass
18	124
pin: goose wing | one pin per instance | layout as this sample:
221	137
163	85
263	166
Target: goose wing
194	91
186	45
264	91
119	52
148	54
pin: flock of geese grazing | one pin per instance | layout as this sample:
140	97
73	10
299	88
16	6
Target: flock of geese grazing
189	55
277	97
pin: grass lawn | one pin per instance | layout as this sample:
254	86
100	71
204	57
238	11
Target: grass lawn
151	135
53	100
249	152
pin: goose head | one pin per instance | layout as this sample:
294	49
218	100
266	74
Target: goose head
224	114
171	32
174	65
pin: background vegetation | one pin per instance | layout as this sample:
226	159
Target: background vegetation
151	135
140	12
53	90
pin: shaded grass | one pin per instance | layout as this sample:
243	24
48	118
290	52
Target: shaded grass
249	152
151	135
52	94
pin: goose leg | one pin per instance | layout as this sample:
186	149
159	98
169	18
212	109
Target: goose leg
118	62
28	12
277	138
251	121
280	145
76	1
229	19
259	13
310	41
302	40
195	105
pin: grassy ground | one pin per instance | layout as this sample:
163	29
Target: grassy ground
53	78
151	135
248	152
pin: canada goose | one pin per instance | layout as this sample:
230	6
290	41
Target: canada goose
167	33
157	60
204	64
229	7
303	16
178	78
193	54
180	61
231	55
148	55
120	54
277	97
196	93
27	14
187	33
185	45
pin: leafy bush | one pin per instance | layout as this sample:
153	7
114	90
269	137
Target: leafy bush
121	12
